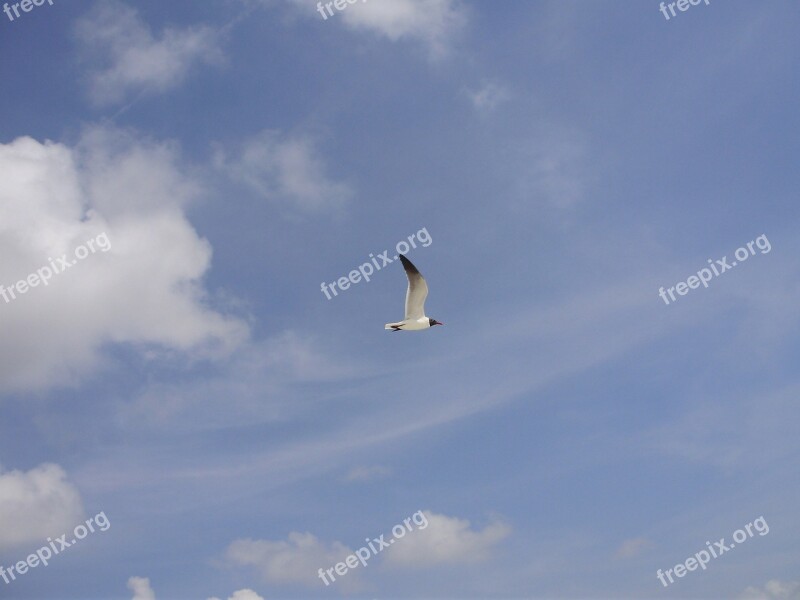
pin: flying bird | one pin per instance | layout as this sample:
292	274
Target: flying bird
415	302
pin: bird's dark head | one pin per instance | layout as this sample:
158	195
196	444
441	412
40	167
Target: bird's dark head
434	322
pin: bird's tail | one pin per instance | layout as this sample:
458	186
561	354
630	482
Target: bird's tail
395	326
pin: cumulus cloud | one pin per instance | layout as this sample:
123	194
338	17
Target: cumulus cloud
446	540
367	473
37	504
431	22
146	290
245	595
284	169
140	586
773	590
296	560
126	57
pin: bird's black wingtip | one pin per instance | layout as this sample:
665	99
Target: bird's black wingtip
409	266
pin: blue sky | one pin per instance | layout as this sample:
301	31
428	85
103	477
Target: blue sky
566	433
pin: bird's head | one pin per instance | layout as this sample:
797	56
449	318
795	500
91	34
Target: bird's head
434	322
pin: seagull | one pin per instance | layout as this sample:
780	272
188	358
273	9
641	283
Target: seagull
415	302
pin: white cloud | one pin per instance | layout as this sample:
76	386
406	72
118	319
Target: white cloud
147	289
242	595
432	22
446	540
37	504
140	586
488	96
245	595
367	473
773	590
633	547
294	561
126	57
285	169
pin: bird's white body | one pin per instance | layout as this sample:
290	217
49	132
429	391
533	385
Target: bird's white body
410	324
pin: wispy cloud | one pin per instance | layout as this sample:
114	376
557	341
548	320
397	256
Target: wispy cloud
554	171
125	57
286	169
739	431
609	327
633	547
260	384
774	589
367	473
488	96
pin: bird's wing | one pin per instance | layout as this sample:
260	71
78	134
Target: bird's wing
417	291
